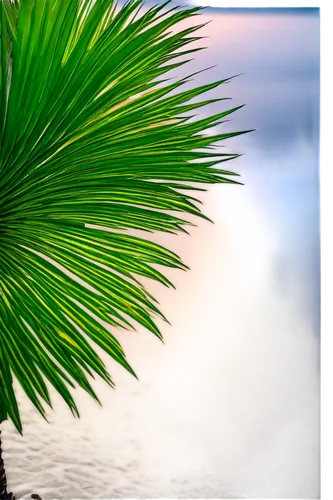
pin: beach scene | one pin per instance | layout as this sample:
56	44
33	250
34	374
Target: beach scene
228	405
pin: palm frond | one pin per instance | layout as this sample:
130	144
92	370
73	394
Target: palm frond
90	135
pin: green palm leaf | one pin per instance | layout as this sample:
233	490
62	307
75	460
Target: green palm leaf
90	135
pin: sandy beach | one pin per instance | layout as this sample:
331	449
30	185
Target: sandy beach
110	452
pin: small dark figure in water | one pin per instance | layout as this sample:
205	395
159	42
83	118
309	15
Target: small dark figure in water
253	258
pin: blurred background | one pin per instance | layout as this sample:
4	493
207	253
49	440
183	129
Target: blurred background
276	313
229	406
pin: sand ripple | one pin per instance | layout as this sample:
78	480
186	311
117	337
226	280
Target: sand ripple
113	452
